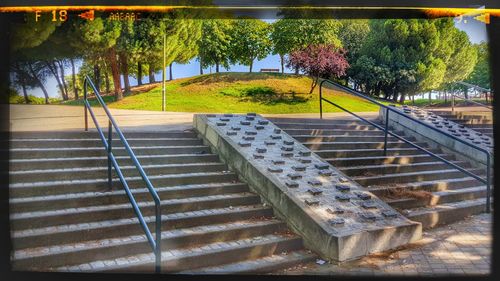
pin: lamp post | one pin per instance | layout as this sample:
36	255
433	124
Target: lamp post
163	97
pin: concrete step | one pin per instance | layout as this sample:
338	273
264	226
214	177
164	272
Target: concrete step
342	138
116	211
77	232
31	153
116	247
259	266
327	126
65	162
471	121
431	185
447	213
92	133
197	257
413	176
343	153
325	132
101	185
102	172
305	121
86	199
378	160
358	145
440	197
399	168
96	142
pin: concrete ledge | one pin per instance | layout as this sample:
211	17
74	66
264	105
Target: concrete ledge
436	139
354	239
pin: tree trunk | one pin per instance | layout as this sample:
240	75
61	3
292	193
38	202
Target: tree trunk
217	67
53	68
402	98
170	71
107	82
40	84
115	72
63	80
139	73
25	93
313	84
282	59
251	66
466	93
430	98
296	71
201	68
97	77
73	74
124	68
151	74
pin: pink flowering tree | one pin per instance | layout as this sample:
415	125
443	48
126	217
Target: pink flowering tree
322	60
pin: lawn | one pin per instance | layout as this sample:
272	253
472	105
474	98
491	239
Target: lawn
442	103
239	93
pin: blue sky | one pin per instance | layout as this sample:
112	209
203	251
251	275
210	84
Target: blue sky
475	30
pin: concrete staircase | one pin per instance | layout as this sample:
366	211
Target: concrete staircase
64	218
480	121
420	186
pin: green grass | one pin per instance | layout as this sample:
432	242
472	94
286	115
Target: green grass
239	93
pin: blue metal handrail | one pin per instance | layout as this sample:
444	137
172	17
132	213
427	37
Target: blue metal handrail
154	242
385	129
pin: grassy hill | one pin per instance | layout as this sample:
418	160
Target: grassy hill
238	93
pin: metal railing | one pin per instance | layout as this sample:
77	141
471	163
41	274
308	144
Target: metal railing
386	131
453	96
154	242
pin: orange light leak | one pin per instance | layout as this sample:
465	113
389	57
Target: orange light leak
431	12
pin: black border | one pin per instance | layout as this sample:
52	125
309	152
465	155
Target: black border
493	30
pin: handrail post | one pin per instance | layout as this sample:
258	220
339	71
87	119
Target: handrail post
488	182
85	105
110	147
158	239
320	101
386	130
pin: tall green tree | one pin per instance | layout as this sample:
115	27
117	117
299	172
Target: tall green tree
249	41
214	44
413	56
480	75
98	39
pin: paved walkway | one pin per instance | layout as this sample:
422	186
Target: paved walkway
25	117
457	249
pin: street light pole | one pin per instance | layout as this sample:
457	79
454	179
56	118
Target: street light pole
163	97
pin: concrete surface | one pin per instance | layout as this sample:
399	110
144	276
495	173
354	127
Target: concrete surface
353	238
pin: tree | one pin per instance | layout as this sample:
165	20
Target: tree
290	34
98	39
214	43
249	41
480	75
319	61
414	56
353	34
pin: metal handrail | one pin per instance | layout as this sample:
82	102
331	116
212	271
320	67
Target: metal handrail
385	129
154	242
453	96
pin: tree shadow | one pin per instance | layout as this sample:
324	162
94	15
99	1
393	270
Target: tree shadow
232	77
265	95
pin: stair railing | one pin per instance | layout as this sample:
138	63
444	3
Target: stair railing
154	242
453	97
387	132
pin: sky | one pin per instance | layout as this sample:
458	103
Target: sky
475	30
